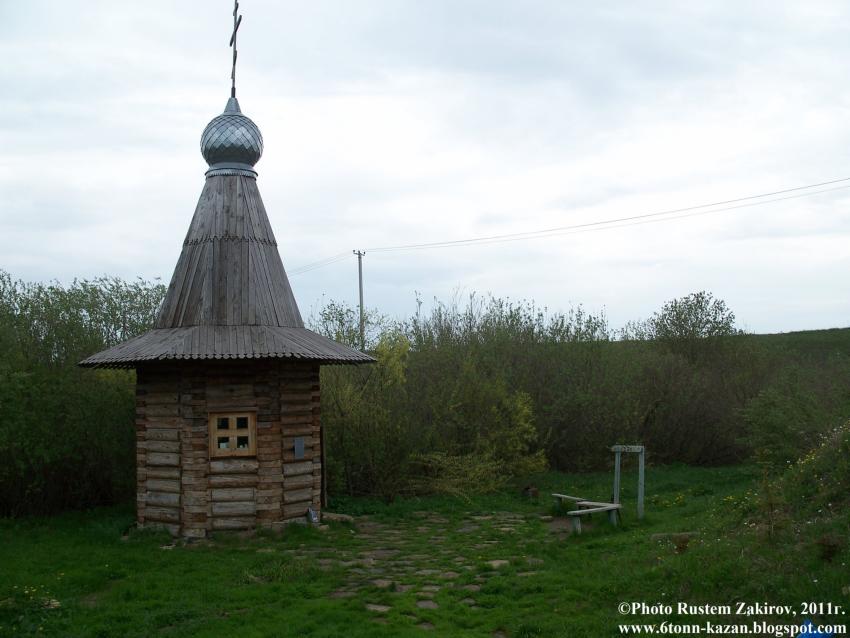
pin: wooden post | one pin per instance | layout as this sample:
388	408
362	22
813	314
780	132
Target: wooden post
617	476
630	449
640	483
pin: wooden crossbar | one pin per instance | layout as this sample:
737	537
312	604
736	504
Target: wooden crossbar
566	497
586	504
608	507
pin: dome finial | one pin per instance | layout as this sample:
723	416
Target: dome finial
231	143
237	20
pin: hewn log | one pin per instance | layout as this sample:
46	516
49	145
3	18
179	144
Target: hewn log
163	485
165	398
268	456
236	508
233	523
270	479
163	499
293	469
163	472
230	390
269	434
233	466
163	458
163	422
295	418
232	494
270	466
162	446
297	482
162	514
232	480
295	496
154	411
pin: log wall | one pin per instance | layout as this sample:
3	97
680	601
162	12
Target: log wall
181	488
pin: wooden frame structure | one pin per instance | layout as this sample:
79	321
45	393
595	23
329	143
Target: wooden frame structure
586	507
618	451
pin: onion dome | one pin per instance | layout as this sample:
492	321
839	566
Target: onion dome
231	143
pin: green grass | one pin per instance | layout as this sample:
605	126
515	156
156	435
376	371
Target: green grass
79	574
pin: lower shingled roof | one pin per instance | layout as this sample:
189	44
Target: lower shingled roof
225	342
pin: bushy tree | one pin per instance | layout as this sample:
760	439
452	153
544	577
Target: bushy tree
691	325
67	433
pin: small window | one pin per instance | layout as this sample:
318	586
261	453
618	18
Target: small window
233	434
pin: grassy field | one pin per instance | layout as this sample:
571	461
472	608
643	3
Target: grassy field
411	567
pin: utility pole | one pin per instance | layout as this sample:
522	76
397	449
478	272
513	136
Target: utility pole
360	254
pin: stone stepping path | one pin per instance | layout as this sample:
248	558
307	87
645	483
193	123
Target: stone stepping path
419	558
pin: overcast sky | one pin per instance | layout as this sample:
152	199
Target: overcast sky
394	122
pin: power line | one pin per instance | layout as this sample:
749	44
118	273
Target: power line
620	222
606	225
319	264
558	229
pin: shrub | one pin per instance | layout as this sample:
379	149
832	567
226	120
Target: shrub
68	434
461	399
783	422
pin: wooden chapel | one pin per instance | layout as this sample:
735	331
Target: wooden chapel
228	415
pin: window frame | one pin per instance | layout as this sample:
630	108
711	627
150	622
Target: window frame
232	433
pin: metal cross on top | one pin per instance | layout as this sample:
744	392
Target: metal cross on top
237	20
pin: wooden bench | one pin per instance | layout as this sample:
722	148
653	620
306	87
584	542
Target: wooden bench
592	508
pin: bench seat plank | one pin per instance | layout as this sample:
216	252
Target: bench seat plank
593	510
566	497
595	504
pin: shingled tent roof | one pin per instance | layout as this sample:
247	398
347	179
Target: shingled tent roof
229	297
